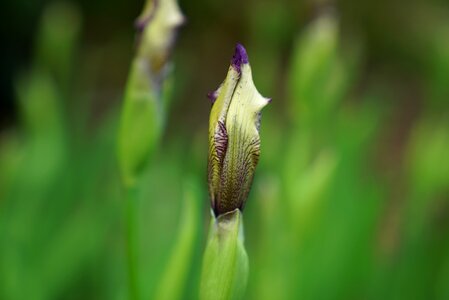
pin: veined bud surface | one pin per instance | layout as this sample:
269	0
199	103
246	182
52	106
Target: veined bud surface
234	142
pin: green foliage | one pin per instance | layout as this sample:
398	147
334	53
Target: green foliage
173	281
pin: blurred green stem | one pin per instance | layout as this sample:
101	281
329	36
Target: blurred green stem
131	241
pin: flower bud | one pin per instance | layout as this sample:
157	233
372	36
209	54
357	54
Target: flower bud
143	113
234	142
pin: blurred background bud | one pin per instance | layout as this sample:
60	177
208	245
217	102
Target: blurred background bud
144	112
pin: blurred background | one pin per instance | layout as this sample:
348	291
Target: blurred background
351	196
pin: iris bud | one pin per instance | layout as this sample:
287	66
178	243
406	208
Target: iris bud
234	142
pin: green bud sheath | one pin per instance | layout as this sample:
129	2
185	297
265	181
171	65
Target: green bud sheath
225	262
234	142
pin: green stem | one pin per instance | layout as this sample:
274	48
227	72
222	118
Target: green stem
225	262
132	241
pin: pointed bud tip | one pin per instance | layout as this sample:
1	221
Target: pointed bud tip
240	57
140	23
212	96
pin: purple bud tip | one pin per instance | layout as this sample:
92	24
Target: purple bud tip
140	24
212	96
240	57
